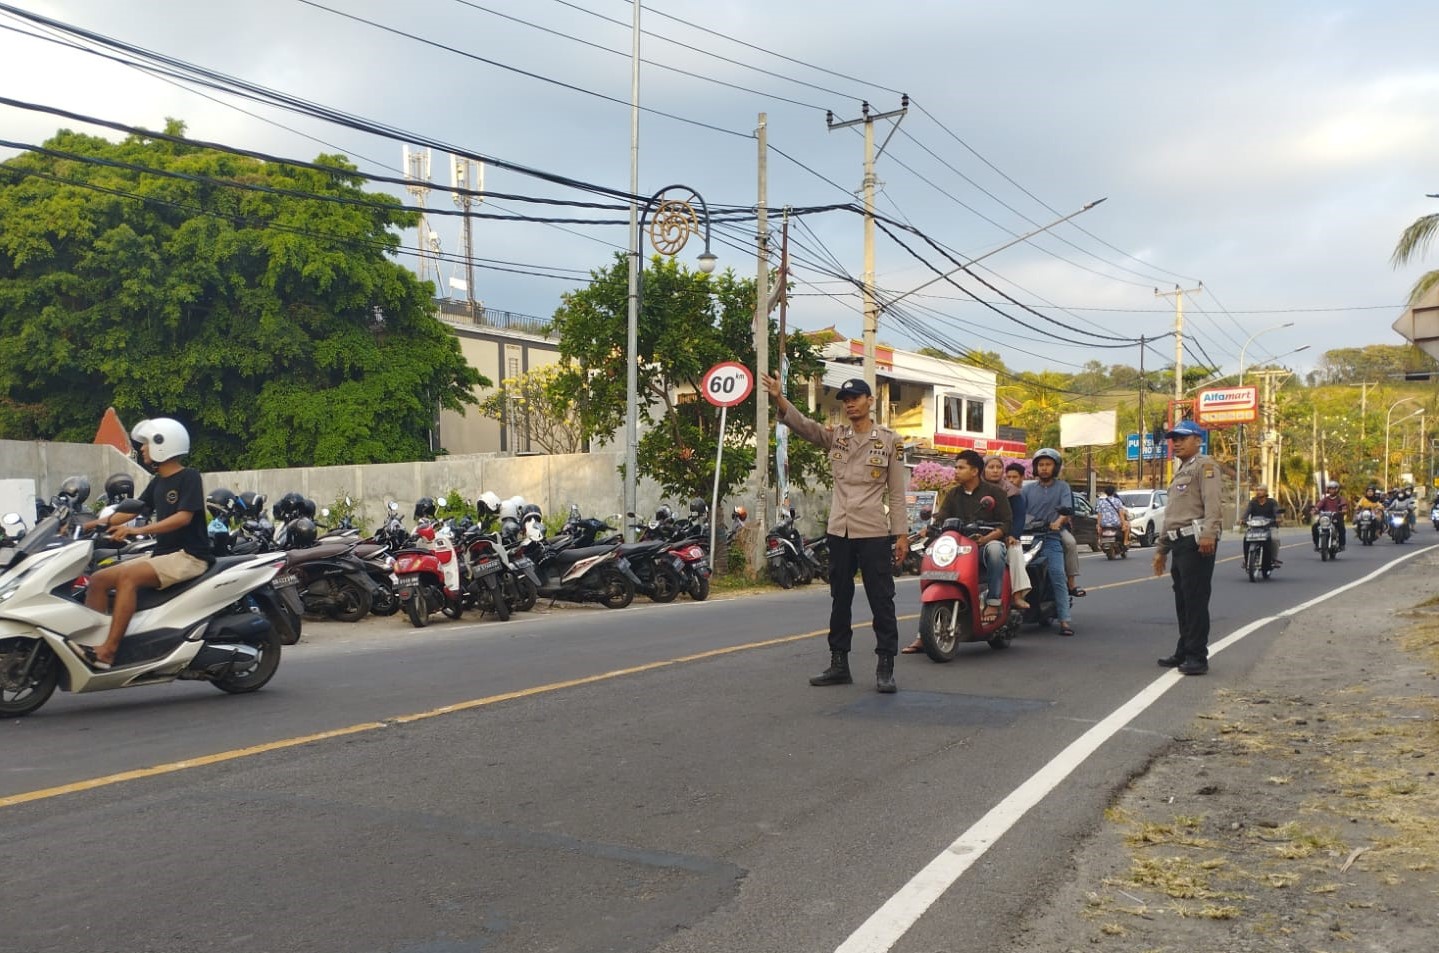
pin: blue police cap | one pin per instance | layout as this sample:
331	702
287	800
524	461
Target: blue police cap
1185	428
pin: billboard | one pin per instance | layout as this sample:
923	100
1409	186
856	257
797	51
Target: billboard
1088	430
1227	405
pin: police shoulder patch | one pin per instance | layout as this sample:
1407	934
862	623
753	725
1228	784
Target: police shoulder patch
1209	473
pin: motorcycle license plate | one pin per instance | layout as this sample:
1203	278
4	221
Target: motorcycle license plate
488	569
285	579
936	574
522	563
1255	537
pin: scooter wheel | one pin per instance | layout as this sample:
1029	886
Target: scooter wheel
616	590
418	611
528	595
940	625
700	588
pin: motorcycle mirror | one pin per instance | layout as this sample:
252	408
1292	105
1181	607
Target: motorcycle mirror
441	501
12	522
392	506
129	506
349	502
325	512
926	513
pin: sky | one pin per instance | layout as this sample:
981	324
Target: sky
1272	151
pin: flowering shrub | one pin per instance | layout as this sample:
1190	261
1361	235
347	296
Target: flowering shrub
930	476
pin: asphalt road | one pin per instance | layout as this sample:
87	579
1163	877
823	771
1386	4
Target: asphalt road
659	778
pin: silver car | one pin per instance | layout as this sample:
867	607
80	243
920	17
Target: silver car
1146	513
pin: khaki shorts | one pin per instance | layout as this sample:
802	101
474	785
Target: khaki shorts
177	567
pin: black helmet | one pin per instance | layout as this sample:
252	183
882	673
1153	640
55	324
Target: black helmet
529	508
220	502
302	533
424	507
250	504
698	507
77	488
119	486
663	514
287	507
306	507
510	527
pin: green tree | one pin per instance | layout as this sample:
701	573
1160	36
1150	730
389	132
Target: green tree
688	323
1414	243
539	404
272	323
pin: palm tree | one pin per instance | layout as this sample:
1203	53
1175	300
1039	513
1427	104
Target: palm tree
1414	243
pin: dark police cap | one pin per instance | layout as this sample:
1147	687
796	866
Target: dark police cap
854	387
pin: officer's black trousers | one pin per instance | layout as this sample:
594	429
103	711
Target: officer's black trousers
1192	572
874	558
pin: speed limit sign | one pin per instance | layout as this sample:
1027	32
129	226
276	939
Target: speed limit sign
727	384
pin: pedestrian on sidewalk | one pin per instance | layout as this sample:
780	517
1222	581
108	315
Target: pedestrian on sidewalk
868	467
1192	523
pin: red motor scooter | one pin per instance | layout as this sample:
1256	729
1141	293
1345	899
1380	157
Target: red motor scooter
952	594
429	575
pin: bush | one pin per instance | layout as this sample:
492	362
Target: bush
931	476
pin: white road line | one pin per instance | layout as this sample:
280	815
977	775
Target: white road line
891	921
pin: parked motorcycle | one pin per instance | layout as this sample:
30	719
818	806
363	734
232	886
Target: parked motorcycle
582	573
1258	531
225	626
789	562
952	594
429	572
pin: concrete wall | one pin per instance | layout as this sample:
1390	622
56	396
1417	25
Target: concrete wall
591	480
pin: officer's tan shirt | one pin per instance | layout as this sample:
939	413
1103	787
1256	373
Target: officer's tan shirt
1194	495
867	468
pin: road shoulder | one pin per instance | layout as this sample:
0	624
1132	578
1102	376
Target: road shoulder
1300	811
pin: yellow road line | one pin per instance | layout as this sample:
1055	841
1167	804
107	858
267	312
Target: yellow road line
220	757
223	756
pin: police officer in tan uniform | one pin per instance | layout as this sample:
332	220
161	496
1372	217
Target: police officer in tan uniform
868	466
1192	522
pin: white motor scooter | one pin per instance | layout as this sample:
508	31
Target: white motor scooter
225	626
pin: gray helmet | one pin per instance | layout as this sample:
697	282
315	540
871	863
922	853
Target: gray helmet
1048	453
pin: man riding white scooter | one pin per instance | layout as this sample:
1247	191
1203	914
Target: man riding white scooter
176	497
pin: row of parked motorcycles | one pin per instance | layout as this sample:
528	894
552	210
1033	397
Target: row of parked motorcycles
496	560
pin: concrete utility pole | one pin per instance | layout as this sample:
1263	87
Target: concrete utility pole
871	307
631	488
1363	406
760	522
1178	294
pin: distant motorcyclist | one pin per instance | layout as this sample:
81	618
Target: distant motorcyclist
1261	505
1336	506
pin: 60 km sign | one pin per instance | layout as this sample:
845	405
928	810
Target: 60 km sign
727	384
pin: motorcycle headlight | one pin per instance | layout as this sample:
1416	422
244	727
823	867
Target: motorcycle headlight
944	550
10	589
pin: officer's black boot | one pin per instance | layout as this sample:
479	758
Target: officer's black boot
884	675
837	673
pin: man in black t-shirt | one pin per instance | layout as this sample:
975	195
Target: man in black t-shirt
176	498
1262	505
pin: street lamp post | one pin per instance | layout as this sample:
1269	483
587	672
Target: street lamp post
671	223
1239	448
1402	400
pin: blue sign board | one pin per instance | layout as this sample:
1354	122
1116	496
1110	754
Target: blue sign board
1152	451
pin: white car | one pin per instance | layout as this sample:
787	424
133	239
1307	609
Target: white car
1146	513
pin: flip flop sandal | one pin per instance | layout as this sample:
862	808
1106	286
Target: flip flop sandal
989	615
1078	593
913	648
88	656
1066	629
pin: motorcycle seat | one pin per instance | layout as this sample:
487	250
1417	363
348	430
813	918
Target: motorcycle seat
647	547
150	598
322	551
569	557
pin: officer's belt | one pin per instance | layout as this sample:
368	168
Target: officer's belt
1174	534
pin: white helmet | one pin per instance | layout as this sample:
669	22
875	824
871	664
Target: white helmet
488	503
518	500
509	511
167	438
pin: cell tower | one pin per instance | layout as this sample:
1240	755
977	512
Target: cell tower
417	171
469	175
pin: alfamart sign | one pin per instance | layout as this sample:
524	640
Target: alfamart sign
1227	405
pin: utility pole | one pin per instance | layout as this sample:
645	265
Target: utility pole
871	307
759	525
1178	294
1143	427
